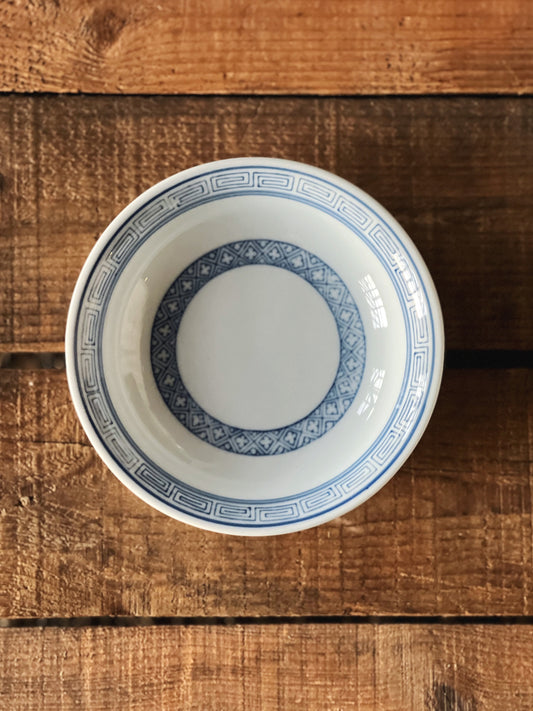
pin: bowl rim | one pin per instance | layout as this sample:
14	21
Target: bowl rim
415	433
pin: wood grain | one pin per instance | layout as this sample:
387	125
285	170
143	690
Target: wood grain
212	668
451	534
279	46
456	172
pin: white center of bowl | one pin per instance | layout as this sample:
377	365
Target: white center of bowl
258	347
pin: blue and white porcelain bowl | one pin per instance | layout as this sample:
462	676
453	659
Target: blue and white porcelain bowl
254	346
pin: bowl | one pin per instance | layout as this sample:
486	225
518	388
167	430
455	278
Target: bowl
254	346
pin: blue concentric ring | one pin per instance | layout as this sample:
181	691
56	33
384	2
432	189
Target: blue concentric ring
254	442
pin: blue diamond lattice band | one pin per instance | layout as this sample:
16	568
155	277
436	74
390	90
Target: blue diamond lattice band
255	442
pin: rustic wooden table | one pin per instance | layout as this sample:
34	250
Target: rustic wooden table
422	598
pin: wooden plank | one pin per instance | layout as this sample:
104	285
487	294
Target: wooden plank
457	172
451	534
309	666
280	46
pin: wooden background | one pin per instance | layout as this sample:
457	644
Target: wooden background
422	598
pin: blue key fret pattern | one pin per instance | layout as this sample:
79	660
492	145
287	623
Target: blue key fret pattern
249	441
367	225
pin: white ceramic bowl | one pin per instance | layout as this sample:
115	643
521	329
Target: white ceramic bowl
254	346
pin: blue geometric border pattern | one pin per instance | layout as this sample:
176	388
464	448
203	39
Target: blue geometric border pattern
366	225
166	325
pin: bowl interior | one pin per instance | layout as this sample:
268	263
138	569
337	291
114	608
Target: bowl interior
258	346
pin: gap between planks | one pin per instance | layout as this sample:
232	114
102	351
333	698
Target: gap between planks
454	360
109	621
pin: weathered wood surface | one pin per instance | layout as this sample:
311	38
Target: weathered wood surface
451	534
456	172
280	46
269	667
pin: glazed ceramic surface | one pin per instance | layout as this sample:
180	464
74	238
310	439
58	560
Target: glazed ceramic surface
254	346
